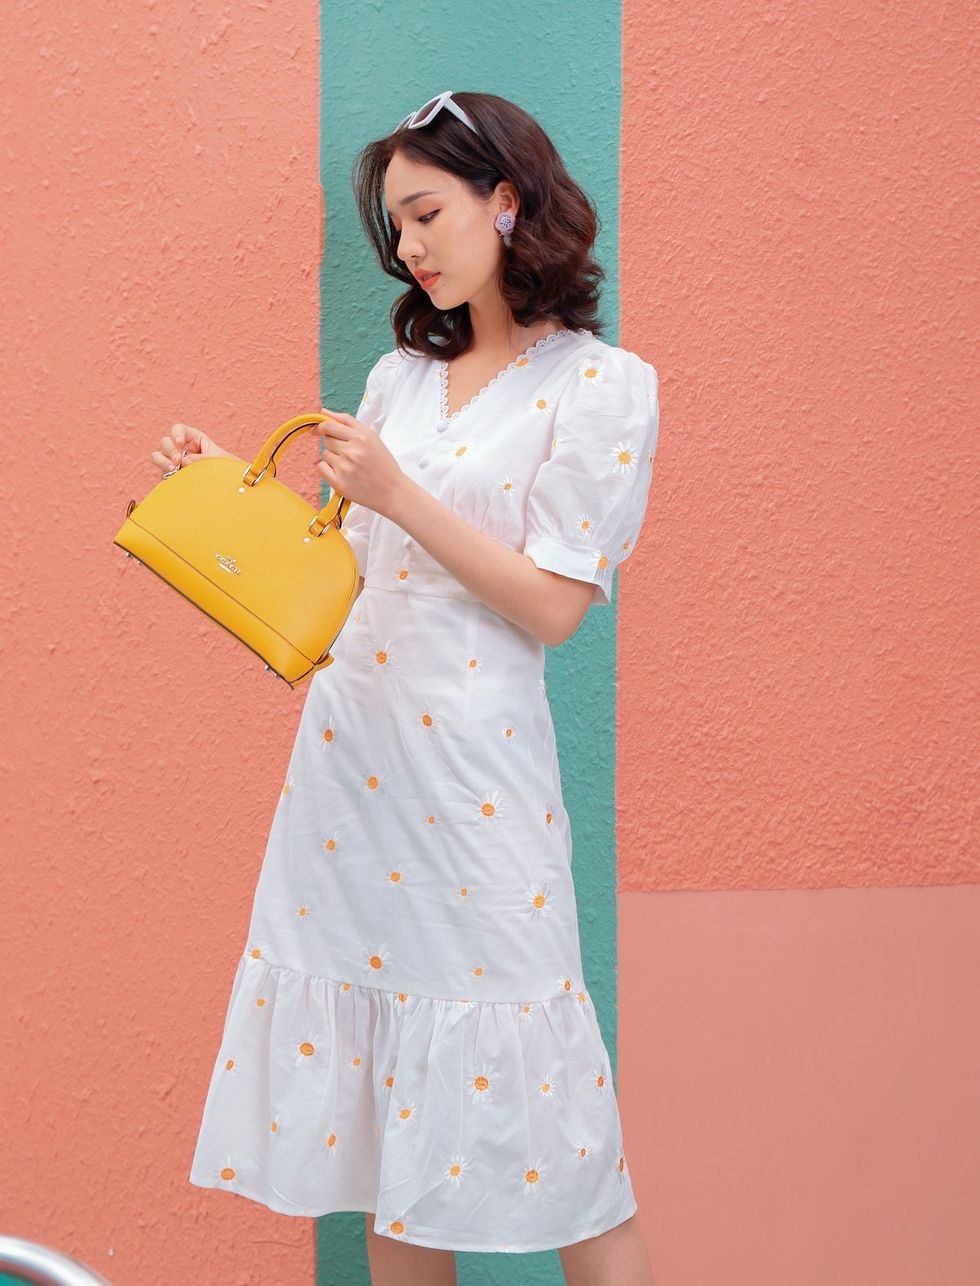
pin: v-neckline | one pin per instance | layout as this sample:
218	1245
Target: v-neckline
442	366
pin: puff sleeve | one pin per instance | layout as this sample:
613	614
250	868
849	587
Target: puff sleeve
587	501
373	410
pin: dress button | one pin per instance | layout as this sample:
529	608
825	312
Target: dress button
442	426
423	461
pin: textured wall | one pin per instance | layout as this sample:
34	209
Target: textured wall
797	661
798	650
160	229
552	71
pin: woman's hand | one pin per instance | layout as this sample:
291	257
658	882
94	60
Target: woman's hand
182	445
357	463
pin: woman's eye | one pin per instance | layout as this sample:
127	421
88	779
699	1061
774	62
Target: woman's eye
427	218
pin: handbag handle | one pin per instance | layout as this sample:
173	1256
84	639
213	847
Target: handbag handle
265	462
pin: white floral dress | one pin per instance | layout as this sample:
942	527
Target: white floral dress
409	1031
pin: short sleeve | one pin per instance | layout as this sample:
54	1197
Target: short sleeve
587	502
373	410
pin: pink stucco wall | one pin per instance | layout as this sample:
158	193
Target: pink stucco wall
798	645
161	229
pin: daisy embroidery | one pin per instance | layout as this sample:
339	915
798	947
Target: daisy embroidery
565	982
540	403
381	659
509	733
406	1114
592	371
388	1082
546	1086
464	893
600	561
473	665
482	1084
275	1125
228	1173
583	1152
623	457
327	734
457	1168
539	902
548	814
231	1068
525	1010
376	962
395	876
490	806
303	911
287	789
400	576
304	1050
583	998
506	486
457	453
531	1177
621	1167
478	973
396	1228
330	1143
599	1081
331	843
583	526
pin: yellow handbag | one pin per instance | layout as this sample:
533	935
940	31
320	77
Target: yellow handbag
251	553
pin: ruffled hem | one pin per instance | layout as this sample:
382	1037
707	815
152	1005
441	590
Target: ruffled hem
456	1122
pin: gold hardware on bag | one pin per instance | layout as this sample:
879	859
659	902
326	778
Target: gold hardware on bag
284	595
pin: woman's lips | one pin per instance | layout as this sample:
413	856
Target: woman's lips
427	282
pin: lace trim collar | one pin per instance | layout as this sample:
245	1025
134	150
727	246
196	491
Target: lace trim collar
443	369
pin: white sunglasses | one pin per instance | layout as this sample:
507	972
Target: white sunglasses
416	119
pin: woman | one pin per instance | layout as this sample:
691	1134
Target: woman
409	1032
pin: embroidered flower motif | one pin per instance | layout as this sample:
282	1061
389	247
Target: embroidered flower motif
583	1152
565	982
525	1010
356	1063
400	575
304	1050
583	526
331	843
457	1168
473	665
227	1173
465	892
546	1086
330	1144
592	371
599	1080
395	876
287	788
376	961
623	457
231	1069
506	485
406	1114
478	973
539	403
539	902
490	806
509	733
481	1085
328	733
531	1176
549	818
395	1229
303	911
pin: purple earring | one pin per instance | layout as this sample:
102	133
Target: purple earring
504	223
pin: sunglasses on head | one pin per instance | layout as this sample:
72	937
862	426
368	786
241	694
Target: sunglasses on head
428	111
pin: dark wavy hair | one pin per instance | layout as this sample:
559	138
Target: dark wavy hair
547	271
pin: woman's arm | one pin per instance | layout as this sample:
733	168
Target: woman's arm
546	604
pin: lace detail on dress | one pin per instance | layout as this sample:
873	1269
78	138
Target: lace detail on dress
443	367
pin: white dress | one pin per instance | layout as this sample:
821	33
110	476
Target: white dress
409	1031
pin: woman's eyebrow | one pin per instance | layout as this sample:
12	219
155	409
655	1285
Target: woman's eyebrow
407	200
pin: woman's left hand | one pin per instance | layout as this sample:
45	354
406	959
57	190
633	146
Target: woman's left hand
357	463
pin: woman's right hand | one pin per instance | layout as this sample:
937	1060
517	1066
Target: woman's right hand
182	446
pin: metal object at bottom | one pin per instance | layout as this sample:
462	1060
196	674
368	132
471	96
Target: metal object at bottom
33	1262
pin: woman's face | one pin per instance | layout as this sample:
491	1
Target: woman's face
447	230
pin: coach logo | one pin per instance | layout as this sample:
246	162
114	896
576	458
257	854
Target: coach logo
228	564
